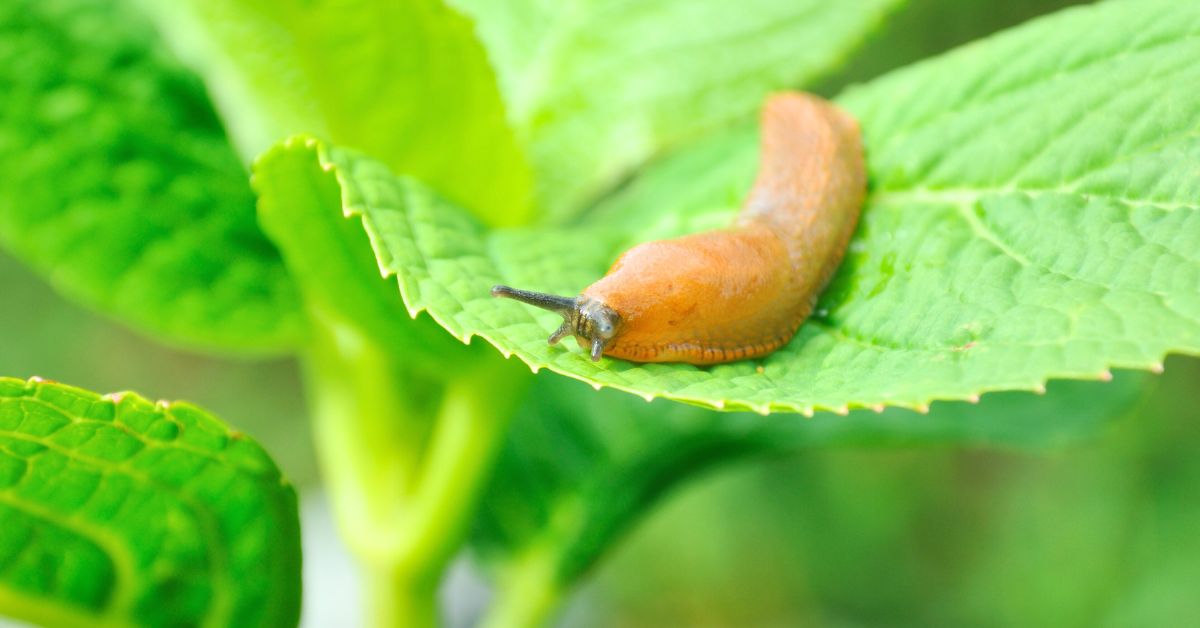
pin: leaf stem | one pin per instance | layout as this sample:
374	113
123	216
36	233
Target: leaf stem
394	598
528	592
404	457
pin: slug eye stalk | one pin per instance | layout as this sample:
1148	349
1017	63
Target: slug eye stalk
590	321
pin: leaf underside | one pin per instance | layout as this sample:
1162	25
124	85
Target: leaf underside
117	183
579	467
118	511
1033	216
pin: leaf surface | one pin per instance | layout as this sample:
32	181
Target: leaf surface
116	182
1027	222
118	511
595	87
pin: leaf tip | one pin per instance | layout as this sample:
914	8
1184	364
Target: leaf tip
878	408
113	398
842	410
1105	376
650	397
1040	388
973	398
764	409
923	408
596	386
807	411
1157	368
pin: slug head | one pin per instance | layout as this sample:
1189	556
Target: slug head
593	323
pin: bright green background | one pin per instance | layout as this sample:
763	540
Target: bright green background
1099	532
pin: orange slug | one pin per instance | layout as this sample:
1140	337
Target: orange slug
740	292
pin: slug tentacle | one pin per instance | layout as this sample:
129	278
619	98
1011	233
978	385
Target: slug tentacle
563	331
552	302
740	292
590	321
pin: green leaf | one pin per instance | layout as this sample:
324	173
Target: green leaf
407	82
1033	216
924	28
595	87
118	511
116	182
579	469
300	207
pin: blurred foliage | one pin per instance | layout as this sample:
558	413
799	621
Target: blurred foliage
595	88
119	186
923	28
59	340
1098	534
407	82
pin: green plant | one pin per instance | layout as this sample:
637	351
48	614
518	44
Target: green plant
1033	215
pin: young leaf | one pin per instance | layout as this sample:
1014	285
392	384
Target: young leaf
579	468
595	87
118	511
404	81
1034	216
117	183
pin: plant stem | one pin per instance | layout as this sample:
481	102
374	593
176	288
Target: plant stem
404	459
528	592
367	441
392	599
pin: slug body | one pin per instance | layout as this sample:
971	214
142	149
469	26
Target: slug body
740	292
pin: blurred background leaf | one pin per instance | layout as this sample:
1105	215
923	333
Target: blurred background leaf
1099	533
596	87
581	467
406	82
45	335
117	184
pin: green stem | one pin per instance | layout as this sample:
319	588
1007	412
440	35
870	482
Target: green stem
467	435
528	592
393	599
404	458
367	440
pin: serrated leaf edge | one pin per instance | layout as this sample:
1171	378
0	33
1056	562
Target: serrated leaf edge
351	210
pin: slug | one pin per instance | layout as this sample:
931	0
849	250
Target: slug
740	292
